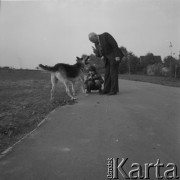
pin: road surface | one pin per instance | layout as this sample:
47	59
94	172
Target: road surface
141	123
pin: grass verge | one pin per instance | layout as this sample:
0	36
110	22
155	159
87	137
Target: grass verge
24	102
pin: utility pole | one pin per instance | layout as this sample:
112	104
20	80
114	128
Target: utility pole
128	59
177	65
170	65
175	73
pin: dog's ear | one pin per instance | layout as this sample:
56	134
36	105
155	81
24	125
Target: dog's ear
77	58
86	60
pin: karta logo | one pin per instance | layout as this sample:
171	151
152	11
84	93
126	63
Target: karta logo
138	171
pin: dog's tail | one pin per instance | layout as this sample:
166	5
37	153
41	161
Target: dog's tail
47	68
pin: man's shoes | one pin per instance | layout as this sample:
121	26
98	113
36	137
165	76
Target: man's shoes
112	93
103	92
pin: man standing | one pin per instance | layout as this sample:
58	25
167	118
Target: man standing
107	48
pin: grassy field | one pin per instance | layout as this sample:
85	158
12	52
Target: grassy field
24	102
167	81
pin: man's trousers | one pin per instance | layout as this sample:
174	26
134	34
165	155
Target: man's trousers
111	76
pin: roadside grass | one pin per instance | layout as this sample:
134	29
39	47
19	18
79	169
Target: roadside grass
166	81
24	102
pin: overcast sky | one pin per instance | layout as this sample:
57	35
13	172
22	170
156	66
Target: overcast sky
49	32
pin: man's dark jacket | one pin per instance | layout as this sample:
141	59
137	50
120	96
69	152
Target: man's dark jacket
110	48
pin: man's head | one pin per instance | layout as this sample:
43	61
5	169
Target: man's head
93	37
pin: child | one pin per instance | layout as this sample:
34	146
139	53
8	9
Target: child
94	80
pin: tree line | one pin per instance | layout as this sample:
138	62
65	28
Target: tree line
133	64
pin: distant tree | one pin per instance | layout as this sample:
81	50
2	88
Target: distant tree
124	65
130	62
134	63
177	73
168	60
171	63
123	68
124	50
6	67
156	69
148	60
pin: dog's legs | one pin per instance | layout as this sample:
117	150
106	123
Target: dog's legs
73	90
83	89
82	84
65	82
53	82
68	90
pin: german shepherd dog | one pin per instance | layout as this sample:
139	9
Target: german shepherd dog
67	74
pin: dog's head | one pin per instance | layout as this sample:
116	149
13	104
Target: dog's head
83	60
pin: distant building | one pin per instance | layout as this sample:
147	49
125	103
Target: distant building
154	59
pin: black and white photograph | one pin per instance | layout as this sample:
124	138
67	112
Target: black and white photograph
89	89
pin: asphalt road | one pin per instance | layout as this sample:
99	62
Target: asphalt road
141	123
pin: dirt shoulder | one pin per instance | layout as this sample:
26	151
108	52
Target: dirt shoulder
166	81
